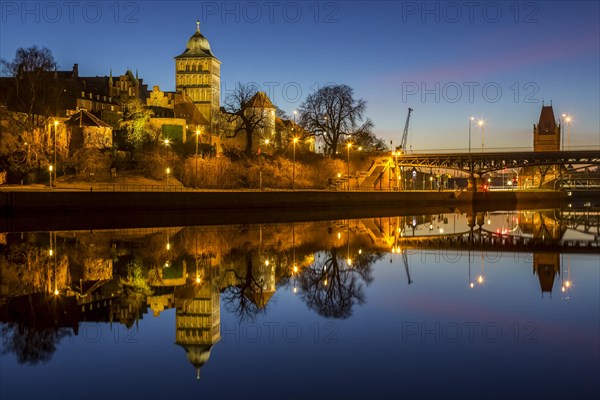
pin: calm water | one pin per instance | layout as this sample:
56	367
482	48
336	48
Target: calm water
502	304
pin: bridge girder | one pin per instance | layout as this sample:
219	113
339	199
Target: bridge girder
482	163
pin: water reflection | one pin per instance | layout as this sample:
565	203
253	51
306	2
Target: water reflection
53	282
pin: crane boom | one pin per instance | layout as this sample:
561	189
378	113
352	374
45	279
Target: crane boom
405	133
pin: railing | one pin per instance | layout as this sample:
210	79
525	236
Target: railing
340	187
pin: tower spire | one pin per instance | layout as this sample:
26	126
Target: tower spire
198	26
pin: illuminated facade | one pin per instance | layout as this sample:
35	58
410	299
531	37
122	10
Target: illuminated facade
546	134
198	76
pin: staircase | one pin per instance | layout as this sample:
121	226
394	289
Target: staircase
375	173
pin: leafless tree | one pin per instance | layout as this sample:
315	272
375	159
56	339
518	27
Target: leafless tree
333	114
246	117
30	87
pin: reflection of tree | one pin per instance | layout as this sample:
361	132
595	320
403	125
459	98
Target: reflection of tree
331	286
249	292
34	325
30	345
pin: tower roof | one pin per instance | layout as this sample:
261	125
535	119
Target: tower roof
547	123
197	45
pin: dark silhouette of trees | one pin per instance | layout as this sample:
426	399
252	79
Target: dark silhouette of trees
367	140
31	92
33	325
331	286
333	114
32	88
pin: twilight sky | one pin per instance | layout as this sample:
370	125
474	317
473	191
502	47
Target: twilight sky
496	60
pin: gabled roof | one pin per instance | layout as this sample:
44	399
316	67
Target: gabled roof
185	108
260	100
84	118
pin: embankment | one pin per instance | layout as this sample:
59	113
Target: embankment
25	211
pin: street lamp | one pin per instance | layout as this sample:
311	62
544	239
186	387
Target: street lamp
471	119
50	170
568	120
349	145
168	172
55	127
395	155
196	178
295	140
481	123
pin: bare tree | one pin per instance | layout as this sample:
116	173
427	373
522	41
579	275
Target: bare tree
31	87
31	93
543	171
332	113
247	116
367	140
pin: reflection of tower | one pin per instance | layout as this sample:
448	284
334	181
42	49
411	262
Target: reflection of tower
265	288
546	266
197	321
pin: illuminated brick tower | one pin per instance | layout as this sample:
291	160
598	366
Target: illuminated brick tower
198	76
546	134
198	321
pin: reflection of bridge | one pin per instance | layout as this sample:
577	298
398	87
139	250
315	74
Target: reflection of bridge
482	240
583	221
541	231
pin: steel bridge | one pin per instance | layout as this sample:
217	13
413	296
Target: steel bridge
483	163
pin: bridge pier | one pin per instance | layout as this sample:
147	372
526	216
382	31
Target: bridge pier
472	183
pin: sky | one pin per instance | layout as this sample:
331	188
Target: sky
493	60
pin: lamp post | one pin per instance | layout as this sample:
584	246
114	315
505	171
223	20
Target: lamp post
196	178
295	140
395	155
55	127
50	170
349	145
168	172
568	120
562	131
481	123
471	119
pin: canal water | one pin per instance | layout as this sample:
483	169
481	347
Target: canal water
487	305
